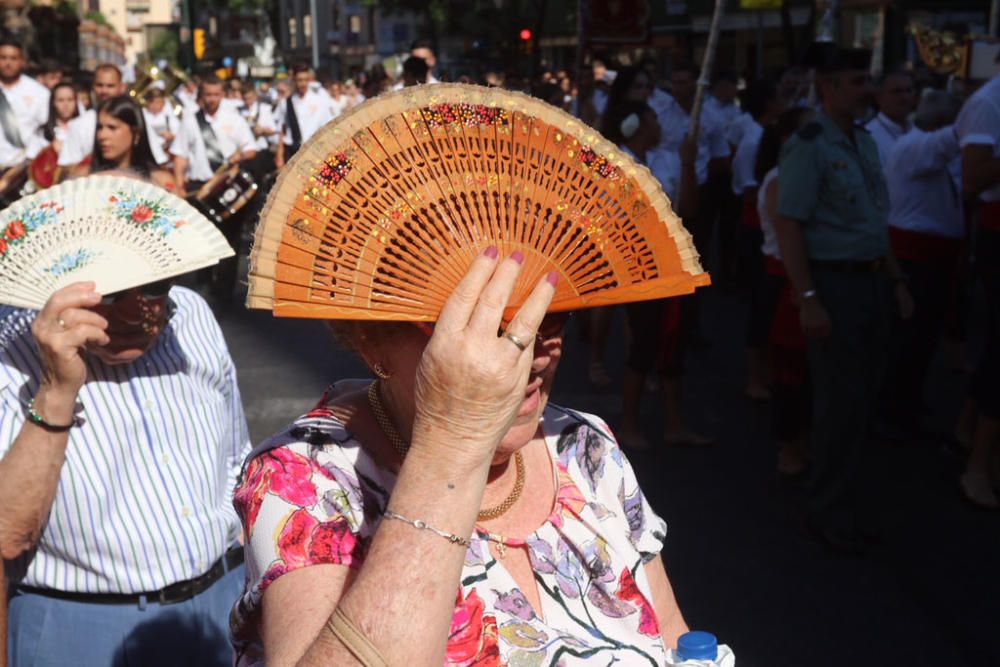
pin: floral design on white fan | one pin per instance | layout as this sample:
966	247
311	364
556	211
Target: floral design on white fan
17	230
71	261
145	212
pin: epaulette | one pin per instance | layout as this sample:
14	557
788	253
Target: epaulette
810	131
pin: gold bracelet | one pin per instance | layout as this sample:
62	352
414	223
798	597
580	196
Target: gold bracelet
422	525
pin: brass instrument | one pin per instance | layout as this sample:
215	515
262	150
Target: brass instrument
942	52
172	79
966	56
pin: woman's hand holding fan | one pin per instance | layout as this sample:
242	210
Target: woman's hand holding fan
470	381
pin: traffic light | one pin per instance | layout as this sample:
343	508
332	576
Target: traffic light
525	34
199	43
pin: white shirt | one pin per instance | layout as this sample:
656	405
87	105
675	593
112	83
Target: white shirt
29	102
82	133
729	113
712	144
886	133
745	158
145	496
258	114
399	84
739	127
312	111
770	245
979	124
338	105
231	131
922	194
666	168
156	123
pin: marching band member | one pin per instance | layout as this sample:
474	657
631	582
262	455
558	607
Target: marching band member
302	113
122	142
62	110
160	120
80	139
260	118
24	108
896	100
207	140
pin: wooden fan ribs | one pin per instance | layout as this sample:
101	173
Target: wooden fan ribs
395	202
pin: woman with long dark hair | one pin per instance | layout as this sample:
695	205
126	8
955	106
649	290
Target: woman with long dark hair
121	142
62	109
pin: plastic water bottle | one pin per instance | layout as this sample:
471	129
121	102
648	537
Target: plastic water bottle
700	649
697	645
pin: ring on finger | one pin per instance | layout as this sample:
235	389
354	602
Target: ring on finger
516	340
62	323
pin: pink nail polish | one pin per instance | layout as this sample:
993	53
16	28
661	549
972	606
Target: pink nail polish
491	252
517	256
553	278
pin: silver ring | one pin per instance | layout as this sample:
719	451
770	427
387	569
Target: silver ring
514	339
62	323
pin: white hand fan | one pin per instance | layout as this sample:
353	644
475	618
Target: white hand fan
118	232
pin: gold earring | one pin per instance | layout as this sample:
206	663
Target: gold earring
380	372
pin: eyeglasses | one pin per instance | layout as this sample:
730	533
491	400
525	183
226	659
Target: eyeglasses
155	290
552	326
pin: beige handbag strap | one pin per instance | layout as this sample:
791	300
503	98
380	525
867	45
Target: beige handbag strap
352	638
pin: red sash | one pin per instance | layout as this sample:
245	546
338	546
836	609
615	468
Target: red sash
925	248
749	217
989	215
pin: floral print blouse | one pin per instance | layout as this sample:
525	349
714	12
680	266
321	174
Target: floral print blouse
312	495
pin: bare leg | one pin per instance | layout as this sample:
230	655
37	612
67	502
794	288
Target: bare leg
757	379
600	331
676	431
630	433
976	483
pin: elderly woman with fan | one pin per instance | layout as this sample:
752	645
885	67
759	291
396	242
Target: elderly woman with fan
447	512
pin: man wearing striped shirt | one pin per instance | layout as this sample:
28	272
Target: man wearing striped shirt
121	437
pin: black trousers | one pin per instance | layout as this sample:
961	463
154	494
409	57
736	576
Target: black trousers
914	341
846	370
986	381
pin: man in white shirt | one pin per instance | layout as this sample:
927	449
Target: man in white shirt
675	119
926	226
978	130
896	99
79	145
421	49
207	140
24	108
304	112
160	119
260	118
722	102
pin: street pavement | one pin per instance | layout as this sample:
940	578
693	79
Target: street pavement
739	563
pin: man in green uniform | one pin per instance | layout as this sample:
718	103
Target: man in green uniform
833	233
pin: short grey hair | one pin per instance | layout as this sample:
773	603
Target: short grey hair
936	107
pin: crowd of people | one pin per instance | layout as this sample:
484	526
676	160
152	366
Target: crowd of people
854	219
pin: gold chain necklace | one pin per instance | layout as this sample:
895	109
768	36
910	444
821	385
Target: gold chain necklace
401	446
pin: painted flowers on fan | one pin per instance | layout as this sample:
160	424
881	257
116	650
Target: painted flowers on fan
70	262
17	230
151	213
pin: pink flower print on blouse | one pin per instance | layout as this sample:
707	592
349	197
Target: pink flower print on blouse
282	472
473	640
628	590
304	540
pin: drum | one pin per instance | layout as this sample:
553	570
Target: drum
43	167
225	197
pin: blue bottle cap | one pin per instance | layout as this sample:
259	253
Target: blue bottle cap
697	645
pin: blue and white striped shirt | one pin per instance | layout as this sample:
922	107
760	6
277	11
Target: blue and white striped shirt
145	495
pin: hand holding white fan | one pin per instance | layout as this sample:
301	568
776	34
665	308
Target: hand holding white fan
117	232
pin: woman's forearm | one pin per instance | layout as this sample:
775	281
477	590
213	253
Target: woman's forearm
403	597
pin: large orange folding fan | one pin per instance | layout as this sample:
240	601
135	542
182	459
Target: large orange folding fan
381	213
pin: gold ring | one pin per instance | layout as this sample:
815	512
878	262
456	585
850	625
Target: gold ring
514	339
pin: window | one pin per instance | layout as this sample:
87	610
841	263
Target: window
354	24
293	34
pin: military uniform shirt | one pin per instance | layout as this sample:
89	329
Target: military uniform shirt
835	188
